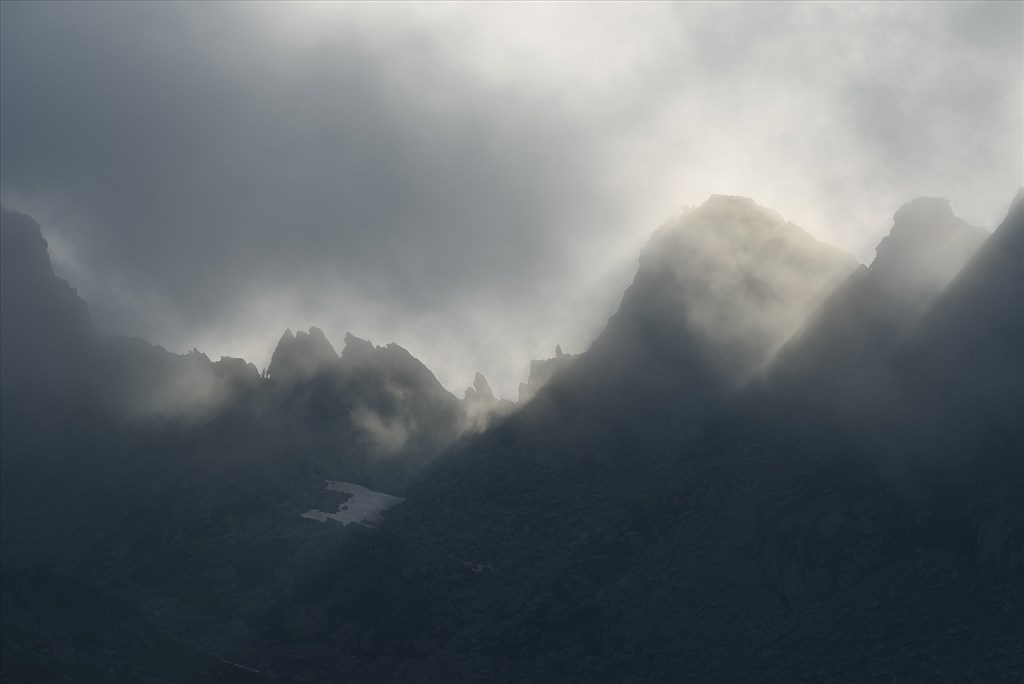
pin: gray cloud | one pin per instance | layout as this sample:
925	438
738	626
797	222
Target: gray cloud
471	181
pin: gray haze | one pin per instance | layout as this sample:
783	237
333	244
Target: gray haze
473	182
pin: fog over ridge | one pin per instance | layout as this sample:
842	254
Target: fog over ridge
473	183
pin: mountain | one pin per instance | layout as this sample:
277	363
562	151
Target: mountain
373	414
571	542
862	322
480	405
663	508
726	285
46	326
298	358
716	293
961	366
541	371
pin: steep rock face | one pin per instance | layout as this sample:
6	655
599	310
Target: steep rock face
375	415
301	356
541	371
731	555
46	328
859	324
925	249
135	379
731	278
962	366
397	404
481	407
716	293
776	551
711	562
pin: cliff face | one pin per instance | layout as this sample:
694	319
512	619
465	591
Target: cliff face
638	519
541	372
598	533
46	330
731	279
857	328
716	293
961	366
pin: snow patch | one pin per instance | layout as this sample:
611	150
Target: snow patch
364	507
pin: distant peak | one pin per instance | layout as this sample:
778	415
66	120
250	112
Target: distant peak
356	346
736	205
480	391
927	245
924	208
729	199
481	385
301	355
923	225
740	217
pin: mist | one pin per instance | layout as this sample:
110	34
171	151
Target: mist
472	182
271	274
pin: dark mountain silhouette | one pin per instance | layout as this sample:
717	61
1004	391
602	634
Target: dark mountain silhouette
375	415
298	358
662	509
962	367
372	414
716	293
733	550
541	371
46	327
725	285
481	406
861	323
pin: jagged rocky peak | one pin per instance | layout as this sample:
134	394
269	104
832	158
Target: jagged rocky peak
481	389
731	280
46	331
33	296
22	245
541	371
236	368
738	224
732	210
480	407
1010	232
356	347
926	247
300	356
392	357
391	365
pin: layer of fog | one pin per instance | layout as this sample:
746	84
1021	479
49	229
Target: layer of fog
472	181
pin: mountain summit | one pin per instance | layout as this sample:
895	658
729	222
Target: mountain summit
862	321
730	281
926	247
643	517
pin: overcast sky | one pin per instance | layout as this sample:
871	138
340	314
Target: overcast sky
473	182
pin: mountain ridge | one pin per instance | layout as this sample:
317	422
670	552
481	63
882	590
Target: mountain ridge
644	516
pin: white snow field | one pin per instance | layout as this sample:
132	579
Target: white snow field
364	507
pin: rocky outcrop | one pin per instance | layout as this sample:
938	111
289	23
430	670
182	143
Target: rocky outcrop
728	282
716	293
925	249
847	340
300	357
46	335
961	368
541	372
480	405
